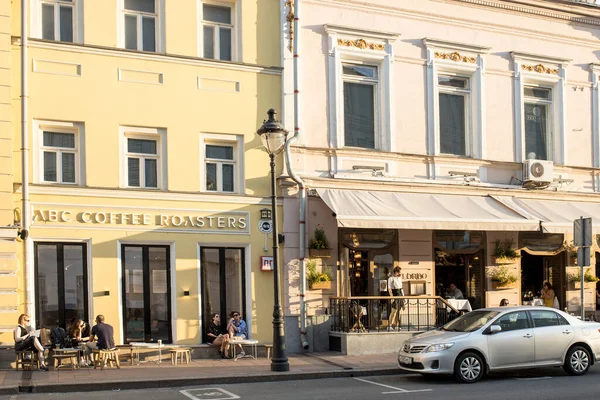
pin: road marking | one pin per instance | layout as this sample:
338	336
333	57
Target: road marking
209	394
396	389
539	378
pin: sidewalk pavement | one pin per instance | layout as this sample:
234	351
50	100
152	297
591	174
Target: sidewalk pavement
197	372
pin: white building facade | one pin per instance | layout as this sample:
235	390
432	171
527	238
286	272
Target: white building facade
435	134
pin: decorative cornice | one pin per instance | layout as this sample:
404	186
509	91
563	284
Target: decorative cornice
455	56
361	44
539	68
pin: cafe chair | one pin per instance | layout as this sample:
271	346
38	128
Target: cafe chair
27	359
108	357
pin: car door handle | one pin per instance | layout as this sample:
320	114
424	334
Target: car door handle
529	335
567	332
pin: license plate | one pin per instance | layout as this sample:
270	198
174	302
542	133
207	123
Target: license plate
406	360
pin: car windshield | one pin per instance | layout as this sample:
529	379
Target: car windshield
470	322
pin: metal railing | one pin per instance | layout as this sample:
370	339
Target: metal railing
378	313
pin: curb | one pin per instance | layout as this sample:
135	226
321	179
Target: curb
177	382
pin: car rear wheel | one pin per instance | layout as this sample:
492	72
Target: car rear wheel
469	368
578	361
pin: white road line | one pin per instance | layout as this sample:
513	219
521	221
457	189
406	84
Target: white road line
539	378
397	389
13	397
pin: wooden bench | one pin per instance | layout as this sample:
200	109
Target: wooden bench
180	352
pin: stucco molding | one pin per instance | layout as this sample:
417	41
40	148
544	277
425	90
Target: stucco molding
156	57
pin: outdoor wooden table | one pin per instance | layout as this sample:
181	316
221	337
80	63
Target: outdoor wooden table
69	353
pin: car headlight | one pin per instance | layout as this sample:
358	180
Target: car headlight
438	347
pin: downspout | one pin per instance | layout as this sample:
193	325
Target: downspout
24	233
296	178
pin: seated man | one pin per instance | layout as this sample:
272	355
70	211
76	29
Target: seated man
238	330
454	292
104	333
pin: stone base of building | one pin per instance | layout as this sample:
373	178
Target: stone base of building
354	344
317	333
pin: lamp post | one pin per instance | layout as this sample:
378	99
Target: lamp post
274	136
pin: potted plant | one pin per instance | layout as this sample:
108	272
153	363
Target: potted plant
316	279
319	245
571	250
502	277
504	253
575	279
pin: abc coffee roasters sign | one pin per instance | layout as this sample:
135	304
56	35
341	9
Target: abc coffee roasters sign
171	220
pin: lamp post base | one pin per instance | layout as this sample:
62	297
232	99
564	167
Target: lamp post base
280	365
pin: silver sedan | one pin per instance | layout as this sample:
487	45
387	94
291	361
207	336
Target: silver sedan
503	338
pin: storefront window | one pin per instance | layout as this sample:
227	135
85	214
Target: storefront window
364	240
146	293
459	240
222	284
61	284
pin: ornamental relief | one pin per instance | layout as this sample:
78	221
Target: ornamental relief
361	44
540	69
455	56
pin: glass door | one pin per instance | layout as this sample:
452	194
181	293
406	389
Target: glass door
146	293
223	287
61	283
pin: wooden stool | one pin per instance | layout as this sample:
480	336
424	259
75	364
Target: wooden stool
72	356
106	357
26	359
268	348
187	352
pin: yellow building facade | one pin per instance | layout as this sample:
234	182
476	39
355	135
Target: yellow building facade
146	178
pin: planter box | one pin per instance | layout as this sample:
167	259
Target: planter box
503	261
319	253
497	286
321	285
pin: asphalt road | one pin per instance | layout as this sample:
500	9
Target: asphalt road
544	384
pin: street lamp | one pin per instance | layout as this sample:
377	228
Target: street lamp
274	136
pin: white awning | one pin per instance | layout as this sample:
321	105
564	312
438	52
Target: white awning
393	210
556	216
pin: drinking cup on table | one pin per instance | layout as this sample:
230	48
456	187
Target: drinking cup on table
57	346
159	342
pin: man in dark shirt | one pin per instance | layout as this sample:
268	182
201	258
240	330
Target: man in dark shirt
104	333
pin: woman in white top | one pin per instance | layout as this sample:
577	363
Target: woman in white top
395	289
24	340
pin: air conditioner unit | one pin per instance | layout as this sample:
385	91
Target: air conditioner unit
537	173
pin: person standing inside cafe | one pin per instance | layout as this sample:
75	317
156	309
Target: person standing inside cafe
395	289
548	294
104	333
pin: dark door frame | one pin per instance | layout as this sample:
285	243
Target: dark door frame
146	284
60	265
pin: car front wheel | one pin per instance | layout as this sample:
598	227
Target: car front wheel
469	368
578	361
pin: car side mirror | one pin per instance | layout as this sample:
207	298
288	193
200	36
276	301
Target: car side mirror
494	329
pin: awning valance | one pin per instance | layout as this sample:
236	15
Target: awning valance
395	210
556	216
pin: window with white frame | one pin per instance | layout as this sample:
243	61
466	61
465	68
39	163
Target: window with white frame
360	91
217	30
140	24
537	102
59	153
454	99
57	19
219	161
142	161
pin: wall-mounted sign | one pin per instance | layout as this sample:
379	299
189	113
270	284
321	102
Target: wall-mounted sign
414	276
109	217
266	263
265	226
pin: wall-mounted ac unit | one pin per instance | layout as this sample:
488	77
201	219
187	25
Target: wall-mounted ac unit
537	173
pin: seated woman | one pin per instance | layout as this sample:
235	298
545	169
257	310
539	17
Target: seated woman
77	332
238	330
216	337
24	340
504	303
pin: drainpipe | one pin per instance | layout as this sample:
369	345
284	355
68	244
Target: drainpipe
297	179
25	216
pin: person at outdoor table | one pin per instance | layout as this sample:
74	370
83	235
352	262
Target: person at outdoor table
504	303
238	330
26	341
395	289
548	294
77	330
216	337
104	333
454	292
